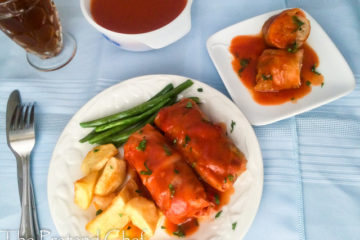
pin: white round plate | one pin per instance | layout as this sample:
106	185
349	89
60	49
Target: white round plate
64	169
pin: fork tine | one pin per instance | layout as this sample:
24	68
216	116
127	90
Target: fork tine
26	116
32	115
15	118
22	118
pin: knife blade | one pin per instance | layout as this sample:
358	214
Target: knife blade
13	101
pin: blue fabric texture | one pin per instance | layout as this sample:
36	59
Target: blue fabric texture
311	161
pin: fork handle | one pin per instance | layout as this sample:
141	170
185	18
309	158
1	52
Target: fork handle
27	226
35	216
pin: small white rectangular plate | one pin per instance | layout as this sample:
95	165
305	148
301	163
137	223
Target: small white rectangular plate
338	77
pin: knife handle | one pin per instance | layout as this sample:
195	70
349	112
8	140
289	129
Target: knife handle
27	226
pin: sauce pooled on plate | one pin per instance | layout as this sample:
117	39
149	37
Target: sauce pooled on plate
247	50
277	66
219	199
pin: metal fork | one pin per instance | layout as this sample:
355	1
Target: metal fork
22	141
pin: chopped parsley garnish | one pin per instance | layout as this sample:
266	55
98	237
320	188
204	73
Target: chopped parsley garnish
308	83
186	140
193	165
230	177
266	77
205	120
322	84
96	150
120	214
200	90
172	190
189	105
174	141
147	172
129	227
142	145
217	199
232	125
313	69
176	171
163	227
218	214
179	233
243	63
111	167
138	191
234	225
167	150
99	211
298	23
293	47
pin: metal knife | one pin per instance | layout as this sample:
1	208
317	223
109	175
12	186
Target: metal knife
13	101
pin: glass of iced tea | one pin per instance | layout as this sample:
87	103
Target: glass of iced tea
35	26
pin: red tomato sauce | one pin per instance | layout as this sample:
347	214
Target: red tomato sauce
251	47
135	16
131	231
219	199
181	230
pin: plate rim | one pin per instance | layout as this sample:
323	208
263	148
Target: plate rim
171	76
290	114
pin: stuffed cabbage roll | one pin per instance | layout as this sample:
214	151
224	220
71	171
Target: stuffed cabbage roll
205	145
171	182
278	70
289	29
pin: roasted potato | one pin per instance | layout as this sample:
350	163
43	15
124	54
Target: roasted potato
102	202
143	214
84	190
108	223
113	217
112	177
96	159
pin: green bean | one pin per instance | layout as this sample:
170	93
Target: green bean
119	139
166	89
123	137
89	136
126	123
105	134
132	120
94	136
139	108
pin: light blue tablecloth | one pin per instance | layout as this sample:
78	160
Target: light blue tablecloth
311	161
